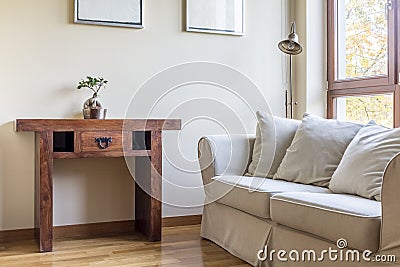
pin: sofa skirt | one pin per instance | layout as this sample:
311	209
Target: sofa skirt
244	236
239	233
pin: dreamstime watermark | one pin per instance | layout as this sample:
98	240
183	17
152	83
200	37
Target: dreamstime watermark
341	253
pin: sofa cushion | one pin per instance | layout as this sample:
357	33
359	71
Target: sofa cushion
316	150
252	194
361	170
271	144
330	216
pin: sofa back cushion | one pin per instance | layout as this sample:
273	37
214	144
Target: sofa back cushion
361	170
316	150
273	136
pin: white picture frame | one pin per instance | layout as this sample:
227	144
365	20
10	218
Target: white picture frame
120	13
211	16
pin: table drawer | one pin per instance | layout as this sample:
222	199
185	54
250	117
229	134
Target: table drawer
98	141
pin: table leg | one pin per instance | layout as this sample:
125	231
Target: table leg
148	206
44	200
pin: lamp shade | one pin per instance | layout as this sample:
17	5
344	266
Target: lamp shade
291	45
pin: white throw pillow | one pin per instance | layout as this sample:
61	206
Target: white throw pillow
316	150
361	170
273	136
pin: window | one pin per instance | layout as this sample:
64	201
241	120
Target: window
362	38
362	109
362	61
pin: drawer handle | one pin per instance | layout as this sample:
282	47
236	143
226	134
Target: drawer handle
103	142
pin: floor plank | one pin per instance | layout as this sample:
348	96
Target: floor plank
181	246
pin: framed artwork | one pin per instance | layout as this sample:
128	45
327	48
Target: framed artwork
211	16
122	13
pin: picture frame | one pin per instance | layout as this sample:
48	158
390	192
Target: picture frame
219	17
119	13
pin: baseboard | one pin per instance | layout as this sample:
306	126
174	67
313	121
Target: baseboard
181	221
95	229
16	235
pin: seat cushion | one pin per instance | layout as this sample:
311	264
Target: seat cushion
330	216
252	194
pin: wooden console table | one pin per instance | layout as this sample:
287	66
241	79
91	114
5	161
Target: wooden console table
65	138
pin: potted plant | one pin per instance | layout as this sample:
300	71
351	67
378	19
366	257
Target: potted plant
92	107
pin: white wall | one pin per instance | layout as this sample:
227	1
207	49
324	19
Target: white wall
43	55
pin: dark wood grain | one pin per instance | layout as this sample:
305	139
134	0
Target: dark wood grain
156	187
100	229
148	185
142	187
77	141
127	142
46	192
88	143
106	154
16	235
40	125
148	190
181	220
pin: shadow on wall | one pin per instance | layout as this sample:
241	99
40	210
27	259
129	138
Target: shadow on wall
92	190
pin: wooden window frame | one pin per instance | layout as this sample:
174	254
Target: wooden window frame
380	84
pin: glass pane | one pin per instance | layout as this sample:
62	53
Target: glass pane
362	109
362	38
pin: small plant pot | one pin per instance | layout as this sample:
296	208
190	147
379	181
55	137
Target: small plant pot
94	113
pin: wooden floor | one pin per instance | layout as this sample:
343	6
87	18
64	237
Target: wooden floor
181	246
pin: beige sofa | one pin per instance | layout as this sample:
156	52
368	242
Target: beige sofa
246	215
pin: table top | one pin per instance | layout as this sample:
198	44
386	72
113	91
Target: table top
44	125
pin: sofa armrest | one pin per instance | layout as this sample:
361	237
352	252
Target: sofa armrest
224	155
390	197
